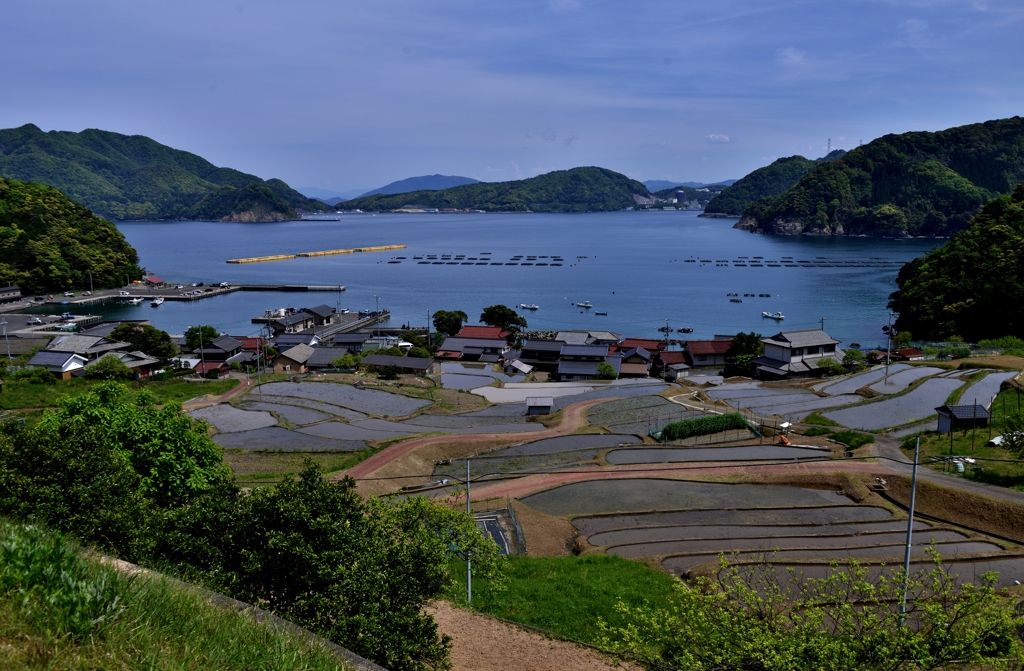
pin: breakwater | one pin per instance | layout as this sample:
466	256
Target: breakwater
327	252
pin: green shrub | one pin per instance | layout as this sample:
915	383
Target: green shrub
109	367
35	376
853	439
389	372
702	426
818	431
955	352
605	371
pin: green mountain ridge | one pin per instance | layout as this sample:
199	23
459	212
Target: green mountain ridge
771	180
911	184
131	177
49	243
585	189
972	286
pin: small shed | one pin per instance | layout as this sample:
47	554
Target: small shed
675	371
293	360
539	405
517	367
61	364
953	417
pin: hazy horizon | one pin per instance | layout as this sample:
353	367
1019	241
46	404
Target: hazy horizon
346	96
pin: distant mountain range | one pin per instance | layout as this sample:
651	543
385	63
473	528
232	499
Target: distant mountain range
661	184
134	177
770	180
587	189
911	184
327	195
423	183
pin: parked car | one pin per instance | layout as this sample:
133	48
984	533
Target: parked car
224	284
123	293
34	321
68	293
87	293
67	315
179	287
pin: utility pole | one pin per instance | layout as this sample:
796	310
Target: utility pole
90	283
888	346
202	358
469	561
377	317
822	320
829	150
910	532
3	322
429	343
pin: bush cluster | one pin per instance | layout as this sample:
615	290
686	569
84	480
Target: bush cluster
702	426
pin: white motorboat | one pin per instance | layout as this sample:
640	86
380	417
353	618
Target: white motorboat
158	301
778	316
529	306
135	301
584	304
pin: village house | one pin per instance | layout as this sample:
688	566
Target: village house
796	353
61	364
295	322
89	347
408	364
10	294
483	332
543	355
706	353
957	417
142	365
636	362
323	315
221	349
323	357
664	359
353	342
579	337
489	350
286	340
293	360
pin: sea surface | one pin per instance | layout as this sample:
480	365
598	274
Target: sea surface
632	265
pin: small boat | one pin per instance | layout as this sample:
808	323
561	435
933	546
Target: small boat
135	301
603	314
685	329
778	316
585	304
664	329
157	302
529	306
735	300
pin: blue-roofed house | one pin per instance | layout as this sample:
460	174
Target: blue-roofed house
61	364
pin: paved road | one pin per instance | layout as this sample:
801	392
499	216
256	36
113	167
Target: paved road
889	450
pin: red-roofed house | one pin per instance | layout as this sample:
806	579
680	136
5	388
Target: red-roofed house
910	354
483	332
648	344
217	369
664	359
251	343
702	353
153	281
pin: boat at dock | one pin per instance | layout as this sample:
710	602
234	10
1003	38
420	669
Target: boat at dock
135	301
778	316
157	302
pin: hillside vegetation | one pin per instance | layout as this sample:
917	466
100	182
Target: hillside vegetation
770	180
973	286
48	243
913	184
134	177
576	190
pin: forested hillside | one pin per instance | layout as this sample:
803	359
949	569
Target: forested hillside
973	286
913	184
49	244
770	180
576	190
134	177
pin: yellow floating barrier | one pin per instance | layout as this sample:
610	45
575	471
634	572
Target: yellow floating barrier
260	259
329	252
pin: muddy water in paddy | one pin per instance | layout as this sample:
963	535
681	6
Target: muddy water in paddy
747	531
661	455
809	515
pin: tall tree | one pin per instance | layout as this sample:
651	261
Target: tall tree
744	348
503	316
449	322
146	339
200	336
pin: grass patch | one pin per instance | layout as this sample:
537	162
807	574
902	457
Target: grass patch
254	469
818	431
567	595
59	611
20	394
971	443
816	419
853	439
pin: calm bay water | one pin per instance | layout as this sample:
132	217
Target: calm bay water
635	271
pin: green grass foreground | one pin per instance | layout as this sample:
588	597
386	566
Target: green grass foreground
567	595
61	611
19	394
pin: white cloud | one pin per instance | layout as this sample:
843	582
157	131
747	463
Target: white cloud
715	138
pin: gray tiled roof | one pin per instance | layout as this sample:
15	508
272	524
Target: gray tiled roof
50	358
299	354
544	345
577	367
352	338
460	344
965	411
400	361
804	338
323	356
585	350
321	311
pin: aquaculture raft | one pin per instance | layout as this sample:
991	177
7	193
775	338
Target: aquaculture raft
328	252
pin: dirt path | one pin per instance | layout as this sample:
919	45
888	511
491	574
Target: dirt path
572	419
203	402
524	486
481	643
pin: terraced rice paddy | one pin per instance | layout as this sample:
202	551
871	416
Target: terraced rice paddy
912	406
662	455
637	415
698	522
791	404
229	419
899	382
369	401
849	385
545	454
1009	568
277	439
471	376
292	414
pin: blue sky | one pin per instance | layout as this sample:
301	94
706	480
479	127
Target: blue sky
346	95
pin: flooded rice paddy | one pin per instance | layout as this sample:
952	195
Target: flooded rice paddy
663	455
914	405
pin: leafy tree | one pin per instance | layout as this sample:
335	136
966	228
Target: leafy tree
1013	434
347	361
504	317
744	348
109	367
389	351
197	337
419	352
973	285
605	371
389	372
903	338
758	617
449	322
35	376
829	366
854	358
146	339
